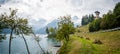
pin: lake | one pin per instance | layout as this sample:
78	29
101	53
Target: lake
18	45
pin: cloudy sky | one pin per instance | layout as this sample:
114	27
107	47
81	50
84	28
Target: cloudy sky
48	10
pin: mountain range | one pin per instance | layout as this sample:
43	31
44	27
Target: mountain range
53	24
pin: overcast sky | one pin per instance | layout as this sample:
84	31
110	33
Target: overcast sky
48	10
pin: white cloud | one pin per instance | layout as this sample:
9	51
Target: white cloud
51	9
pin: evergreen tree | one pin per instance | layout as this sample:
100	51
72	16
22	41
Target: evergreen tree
87	19
117	9
47	30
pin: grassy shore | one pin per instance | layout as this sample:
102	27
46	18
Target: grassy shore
82	42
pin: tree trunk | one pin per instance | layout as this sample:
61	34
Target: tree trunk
10	41
41	48
25	43
39	44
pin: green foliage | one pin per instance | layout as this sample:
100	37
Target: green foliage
23	26
87	19
65	49
91	17
117	9
47	30
95	25
117	21
51	32
65	28
1	24
16	24
109	20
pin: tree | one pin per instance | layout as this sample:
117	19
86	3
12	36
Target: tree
2	23
91	17
108	21
87	19
47	30
23	28
95	25
116	10
65	28
16	25
11	24
37	40
52	32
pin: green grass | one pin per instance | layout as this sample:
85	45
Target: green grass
77	45
83	28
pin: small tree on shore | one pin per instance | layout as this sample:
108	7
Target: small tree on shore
65	28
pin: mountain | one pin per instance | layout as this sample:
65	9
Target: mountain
37	24
53	24
76	20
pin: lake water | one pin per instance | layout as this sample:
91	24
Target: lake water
18	45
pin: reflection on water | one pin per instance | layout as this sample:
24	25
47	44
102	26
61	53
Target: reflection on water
18	45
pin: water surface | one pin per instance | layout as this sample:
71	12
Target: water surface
18	45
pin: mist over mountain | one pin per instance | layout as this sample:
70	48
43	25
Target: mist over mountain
51	24
75	19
